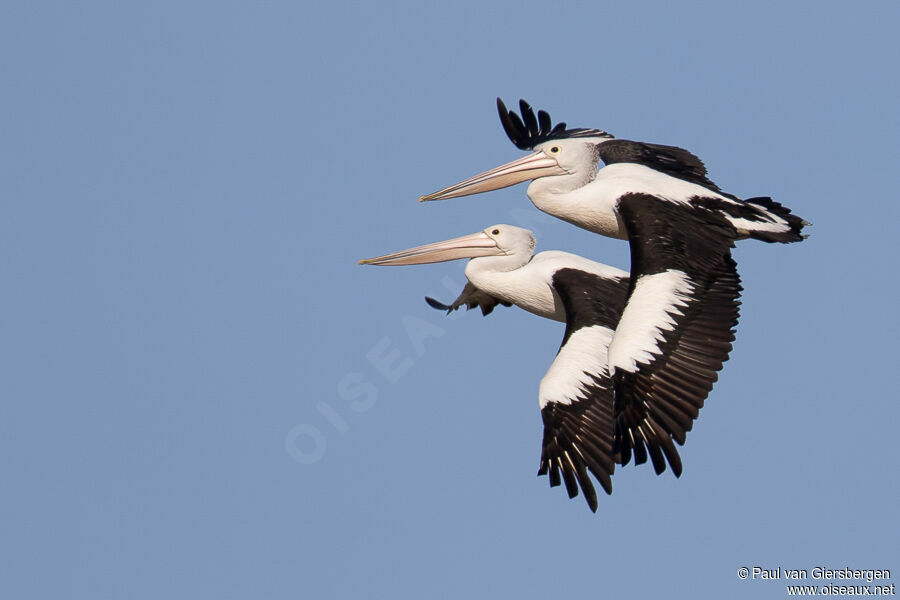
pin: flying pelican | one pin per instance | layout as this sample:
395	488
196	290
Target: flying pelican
581	418
679	224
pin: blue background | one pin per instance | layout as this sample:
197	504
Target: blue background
204	396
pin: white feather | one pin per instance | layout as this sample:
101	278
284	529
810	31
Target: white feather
584	352
650	311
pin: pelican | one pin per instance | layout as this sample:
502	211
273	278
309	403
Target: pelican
680	226
582	420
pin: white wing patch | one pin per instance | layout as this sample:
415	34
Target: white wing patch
650	311
584	352
628	178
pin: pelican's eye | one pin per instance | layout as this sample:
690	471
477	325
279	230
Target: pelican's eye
554	150
495	232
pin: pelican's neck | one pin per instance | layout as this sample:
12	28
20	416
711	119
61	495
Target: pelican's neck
557	185
497	264
575	198
526	287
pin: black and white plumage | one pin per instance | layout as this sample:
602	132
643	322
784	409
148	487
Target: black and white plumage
581	418
565	181
680	227
673	338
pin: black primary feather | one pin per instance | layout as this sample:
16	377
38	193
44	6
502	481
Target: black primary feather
528	131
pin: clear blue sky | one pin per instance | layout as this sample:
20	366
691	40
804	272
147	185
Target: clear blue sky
186	189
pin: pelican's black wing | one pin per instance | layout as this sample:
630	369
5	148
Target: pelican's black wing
671	160
576	395
677	327
471	297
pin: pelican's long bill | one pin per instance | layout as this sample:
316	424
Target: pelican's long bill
467	246
537	164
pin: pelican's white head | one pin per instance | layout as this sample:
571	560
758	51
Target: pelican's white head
515	243
562	159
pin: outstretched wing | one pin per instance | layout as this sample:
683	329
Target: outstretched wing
677	327
576	395
471	296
